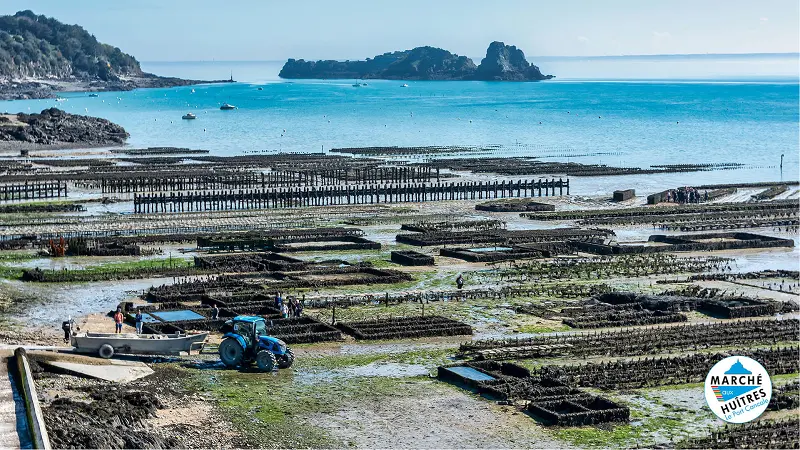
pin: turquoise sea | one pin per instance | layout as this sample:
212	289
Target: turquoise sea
653	118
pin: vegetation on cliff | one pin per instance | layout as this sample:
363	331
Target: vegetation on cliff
502	63
40	56
39	46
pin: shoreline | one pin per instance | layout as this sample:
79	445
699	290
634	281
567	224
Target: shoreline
36	88
11	149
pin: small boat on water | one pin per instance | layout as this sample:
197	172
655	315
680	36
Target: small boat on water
404	85
260	89
227	106
189	116
108	344
93	95
61	99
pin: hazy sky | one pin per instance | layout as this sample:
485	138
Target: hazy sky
193	30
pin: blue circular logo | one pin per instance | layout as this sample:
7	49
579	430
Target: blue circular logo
738	389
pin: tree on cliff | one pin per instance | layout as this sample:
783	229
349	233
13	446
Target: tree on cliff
32	45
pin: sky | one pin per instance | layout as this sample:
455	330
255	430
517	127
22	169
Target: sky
258	30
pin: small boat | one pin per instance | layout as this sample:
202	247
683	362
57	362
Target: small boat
404	85
364	84
189	116
107	344
93	95
227	106
61	99
260	89
356	84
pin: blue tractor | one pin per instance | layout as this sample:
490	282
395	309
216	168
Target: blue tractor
246	341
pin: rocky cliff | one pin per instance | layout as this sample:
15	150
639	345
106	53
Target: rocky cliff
421	63
41	47
54	126
429	63
40	55
502	63
507	63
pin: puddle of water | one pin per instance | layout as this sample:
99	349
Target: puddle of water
58	301
491	249
82	262
376	369
393	370
366	349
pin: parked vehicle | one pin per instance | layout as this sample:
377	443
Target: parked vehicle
247	341
108	344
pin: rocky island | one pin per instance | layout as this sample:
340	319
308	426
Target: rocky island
40	56
54	128
502	63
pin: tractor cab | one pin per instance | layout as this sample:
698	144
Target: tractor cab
247	341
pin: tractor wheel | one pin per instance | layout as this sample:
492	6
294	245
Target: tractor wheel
231	352
266	361
106	351
285	361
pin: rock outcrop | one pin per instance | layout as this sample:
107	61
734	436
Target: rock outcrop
507	63
502	63
421	63
430	63
54	126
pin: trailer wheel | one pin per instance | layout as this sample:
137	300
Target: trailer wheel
106	351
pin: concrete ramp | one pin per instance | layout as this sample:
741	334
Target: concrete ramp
8	409
111	370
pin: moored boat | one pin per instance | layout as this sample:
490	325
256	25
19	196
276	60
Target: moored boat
227	106
107	344
189	116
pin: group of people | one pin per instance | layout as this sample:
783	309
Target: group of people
685	195
290	308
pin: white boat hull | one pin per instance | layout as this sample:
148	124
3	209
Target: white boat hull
142	344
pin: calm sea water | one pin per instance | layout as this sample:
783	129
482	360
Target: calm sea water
733	118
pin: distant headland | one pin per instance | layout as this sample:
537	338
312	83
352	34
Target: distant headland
502	63
40	56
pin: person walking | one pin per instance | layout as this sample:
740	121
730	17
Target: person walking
139	321
298	310
118	318
215	312
67	327
460	281
284	311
